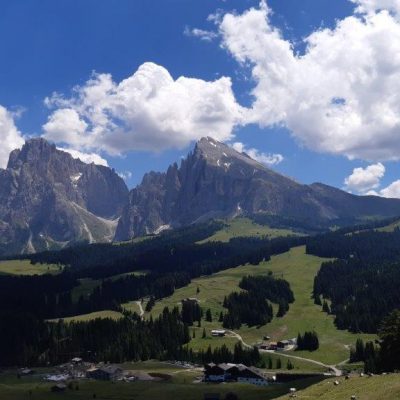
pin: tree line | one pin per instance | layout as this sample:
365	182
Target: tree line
382	355
26	340
362	282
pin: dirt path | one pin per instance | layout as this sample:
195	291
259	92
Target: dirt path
141	311
333	368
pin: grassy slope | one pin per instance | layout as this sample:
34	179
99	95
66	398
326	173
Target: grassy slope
240	227
296	267
390	228
299	270
180	386
366	388
24	267
91	316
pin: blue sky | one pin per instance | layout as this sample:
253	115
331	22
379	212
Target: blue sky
53	46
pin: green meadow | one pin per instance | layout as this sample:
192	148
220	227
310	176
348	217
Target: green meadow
244	227
299	269
24	267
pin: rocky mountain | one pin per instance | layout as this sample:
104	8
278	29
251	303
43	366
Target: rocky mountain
48	200
215	181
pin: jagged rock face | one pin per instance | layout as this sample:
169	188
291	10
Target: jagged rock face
215	181
49	199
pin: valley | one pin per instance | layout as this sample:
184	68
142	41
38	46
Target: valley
176	272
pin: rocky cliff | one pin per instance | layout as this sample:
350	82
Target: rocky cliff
48	199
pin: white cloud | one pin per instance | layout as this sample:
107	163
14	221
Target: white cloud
392	191
87	158
364	180
147	111
263	158
370	6
66	126
10	137
207	36
341	96
125	175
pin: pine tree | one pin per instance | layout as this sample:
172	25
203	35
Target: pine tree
360	350
278	363
221	317
204	333
208	316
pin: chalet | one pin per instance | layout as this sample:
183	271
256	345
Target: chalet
107	373
283	344
218	332
233	372
77	361
273	346
217	372
253	376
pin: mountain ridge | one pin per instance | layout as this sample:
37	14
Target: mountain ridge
216	181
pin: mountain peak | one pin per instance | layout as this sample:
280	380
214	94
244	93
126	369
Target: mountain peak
49	199
35	148
221	154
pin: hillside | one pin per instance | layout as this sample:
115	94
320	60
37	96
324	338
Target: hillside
384	387
299	269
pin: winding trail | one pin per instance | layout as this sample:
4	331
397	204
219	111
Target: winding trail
336	371
141	311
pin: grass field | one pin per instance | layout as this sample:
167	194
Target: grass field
299	269
241	227
385	387
390	228
91	316
24	267
179	386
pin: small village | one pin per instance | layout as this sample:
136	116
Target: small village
68	375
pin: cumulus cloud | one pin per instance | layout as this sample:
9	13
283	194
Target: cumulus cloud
369	6
342	95
392	191
147	111
87	158
263	158
10	137
365	180
207	36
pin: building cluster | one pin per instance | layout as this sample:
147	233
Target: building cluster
234	373
78	369
282	345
